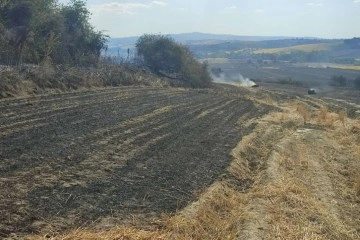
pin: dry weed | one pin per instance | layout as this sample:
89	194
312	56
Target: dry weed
304	111
342	116
303	158
216	217
294	213
355	131
118	233
240	170
357	185
48	78
323	111
285	161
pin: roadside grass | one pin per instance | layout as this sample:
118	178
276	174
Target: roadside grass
214	216
266	99
310	219
295	213
303	110
118	233
348	136
49	79
357	186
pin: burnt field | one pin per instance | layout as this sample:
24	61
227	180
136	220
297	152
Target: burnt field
100	158
309	76
293	79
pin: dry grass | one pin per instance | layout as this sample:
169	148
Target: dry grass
342	116
303	48
49	79
322	116
323	112
118	233
357	185
294	213
326	118
304	111
214	216
348	137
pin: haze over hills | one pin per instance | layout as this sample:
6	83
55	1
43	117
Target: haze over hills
195	37
120	46
276	48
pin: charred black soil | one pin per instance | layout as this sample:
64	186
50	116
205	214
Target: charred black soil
106	157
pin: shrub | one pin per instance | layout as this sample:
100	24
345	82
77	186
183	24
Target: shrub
290	81
164	56
338	81
304	112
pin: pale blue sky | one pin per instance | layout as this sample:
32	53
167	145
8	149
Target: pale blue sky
295	18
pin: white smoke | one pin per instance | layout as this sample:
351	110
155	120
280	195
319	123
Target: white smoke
246	82
236	79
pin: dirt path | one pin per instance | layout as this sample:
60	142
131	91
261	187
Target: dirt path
305	190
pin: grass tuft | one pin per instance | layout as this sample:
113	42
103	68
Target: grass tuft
343	116
48	78
321	117
357	185
303	110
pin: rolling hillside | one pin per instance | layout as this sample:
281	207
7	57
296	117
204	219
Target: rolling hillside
205	45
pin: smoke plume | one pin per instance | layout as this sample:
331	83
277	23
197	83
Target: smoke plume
236	79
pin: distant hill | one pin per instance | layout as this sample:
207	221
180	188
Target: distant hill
119	46
195	37
254	48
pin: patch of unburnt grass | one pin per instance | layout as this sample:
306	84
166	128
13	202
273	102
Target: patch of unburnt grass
340	162
56	79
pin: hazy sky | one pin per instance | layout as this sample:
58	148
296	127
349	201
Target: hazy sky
296	18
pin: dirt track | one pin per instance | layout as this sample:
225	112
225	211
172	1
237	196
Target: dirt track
306	190
113	155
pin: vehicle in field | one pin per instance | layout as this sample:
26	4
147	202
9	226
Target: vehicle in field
311	91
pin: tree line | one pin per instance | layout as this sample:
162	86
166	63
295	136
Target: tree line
38	31
341	81
46	33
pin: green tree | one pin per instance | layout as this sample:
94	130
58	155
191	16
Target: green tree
162	54
43	30
47	26
82	42
16	16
